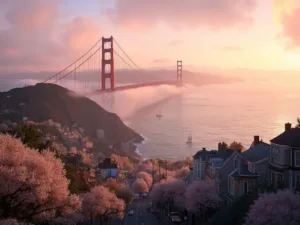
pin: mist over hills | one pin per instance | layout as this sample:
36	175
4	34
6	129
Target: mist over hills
134	76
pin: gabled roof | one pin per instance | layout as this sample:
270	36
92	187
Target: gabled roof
243	172
257	152
289	137
205	155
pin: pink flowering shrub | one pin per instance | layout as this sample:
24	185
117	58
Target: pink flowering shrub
112	184
123	162
32	184
102	203
140	186
278	208
146	177
200	197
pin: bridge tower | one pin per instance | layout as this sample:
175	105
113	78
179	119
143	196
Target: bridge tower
107	67
179	71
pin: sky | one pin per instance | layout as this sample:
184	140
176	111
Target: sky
43	35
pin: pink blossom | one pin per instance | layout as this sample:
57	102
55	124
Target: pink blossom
103	203
144	167
123	162
139	186
112	184
34	180
3	127
278	208
146	177
183	172
201	196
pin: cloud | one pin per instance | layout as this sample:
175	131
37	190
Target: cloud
161	61
40	38
175	43
176	13
229	48
287	15
291	26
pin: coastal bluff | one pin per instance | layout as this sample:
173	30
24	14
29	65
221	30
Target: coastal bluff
44	101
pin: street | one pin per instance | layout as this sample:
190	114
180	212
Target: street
140	217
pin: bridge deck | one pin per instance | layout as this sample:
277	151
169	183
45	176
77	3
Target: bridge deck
134	86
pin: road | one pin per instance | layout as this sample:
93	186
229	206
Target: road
140	217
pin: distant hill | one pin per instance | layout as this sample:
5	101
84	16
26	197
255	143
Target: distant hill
49	101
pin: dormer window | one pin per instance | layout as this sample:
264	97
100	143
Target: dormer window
251	167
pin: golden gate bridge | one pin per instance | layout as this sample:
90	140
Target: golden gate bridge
102	61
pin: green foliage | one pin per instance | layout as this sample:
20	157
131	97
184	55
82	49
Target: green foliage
77	183
31	136
235	213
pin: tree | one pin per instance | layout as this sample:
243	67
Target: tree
77	183
123	162
201	199
31	136
126	194
278	208
298	123
174	193
139	186
12	222
146	177
102	203
236	145
183	172
33	186
112	184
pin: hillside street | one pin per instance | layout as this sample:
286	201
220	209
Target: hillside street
140	217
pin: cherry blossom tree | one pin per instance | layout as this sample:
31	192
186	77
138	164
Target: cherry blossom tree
126	194
112	184
33	186
146	177
183	172
278	208
102	203
139	186
201	197
144	167
123	162
174	193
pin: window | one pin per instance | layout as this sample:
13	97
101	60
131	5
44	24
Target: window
198	169
276	178
245	187
250	166
231	185
297	158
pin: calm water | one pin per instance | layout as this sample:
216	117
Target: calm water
210	114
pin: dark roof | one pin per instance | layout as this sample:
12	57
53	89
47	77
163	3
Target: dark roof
243	172
289	137
257	152
107	164
204	155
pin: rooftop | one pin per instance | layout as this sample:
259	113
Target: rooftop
205	155
107	164
290	137
243	172
258	152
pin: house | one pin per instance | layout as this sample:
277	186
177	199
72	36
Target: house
107	168
284	162
209	166
249	169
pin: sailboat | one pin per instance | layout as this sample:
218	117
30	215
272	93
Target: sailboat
159	115
189	140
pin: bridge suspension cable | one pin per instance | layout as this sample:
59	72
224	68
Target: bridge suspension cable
67	74
74	63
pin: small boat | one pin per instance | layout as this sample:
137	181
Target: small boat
189	140
159	115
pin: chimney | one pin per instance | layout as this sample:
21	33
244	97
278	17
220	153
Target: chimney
288	126
256	140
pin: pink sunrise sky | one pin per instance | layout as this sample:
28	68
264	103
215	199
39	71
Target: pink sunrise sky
225	34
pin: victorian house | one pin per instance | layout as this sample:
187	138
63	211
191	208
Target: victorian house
284	162
250	168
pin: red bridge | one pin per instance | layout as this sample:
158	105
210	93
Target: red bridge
91	71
